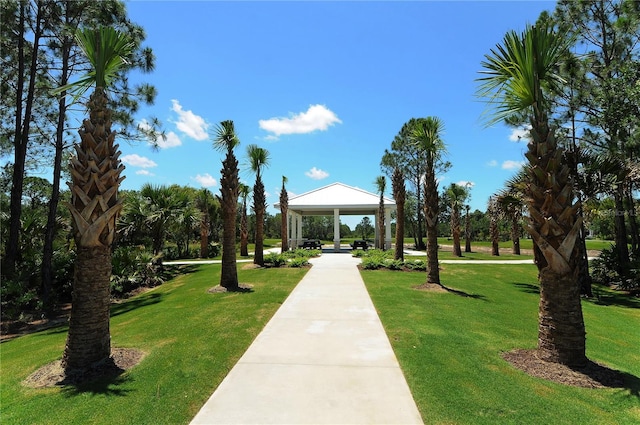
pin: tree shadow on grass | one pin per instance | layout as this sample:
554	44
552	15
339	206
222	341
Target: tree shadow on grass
605	297
109	384
529	288
140	301
465	294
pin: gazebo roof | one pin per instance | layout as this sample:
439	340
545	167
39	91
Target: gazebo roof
349	200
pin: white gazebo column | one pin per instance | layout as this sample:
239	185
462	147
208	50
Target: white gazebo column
336	230
387	228
299	231
376	230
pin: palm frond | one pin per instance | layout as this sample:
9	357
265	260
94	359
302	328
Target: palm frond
225	138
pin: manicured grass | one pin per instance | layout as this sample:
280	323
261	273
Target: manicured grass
449	346
192	340
448	255
525	243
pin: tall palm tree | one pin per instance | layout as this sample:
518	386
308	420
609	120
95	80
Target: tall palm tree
226	141
510	205
521	75
284	210
427	135
457	195
400	196
244	227
95	205
258	159
381	185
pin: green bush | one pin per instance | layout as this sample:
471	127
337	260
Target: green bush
298	262
273	259
416	265
606	270
133	268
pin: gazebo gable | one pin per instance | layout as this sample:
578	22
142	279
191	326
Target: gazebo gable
348	199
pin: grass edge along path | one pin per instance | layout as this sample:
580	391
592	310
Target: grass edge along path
449	348
191	338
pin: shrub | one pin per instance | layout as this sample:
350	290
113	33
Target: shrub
606	270
273	259
298	262
416	265
132	268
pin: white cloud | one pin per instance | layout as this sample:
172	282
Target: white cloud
492	163
316	174
189	123
512	165
465	183
170	140
520	134
144	173
317	117
205	180
136	160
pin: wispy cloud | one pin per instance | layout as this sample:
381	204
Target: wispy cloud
512	165
205	180
171	140
189	123
316	174
492	163
144	173
136	160
520	134
317	117
465	183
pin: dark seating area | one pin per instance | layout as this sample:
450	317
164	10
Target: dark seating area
360	244
311	244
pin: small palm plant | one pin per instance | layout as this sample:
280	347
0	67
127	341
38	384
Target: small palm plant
95	205
457	195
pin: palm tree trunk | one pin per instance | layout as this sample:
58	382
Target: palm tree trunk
89	340
515	234
284	231
467	231
259	208
431	219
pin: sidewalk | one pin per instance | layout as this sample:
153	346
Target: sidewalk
324	358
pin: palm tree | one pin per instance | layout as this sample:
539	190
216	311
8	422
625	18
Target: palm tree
226	141
427	135
258	159
521	75
284	208
400	195
467	229
95	205
457	195
381	185
160	207
510	204
244	228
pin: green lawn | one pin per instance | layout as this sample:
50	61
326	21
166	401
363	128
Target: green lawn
525	243
192	339
449	348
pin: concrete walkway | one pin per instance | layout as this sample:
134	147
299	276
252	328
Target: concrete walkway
324	358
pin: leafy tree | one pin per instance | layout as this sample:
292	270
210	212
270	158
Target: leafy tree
94	203
284	207
399	195
520	75
226	141
244	230
364	227
406	155
381	186
606	94
258	159
467	229
427	136
161	206
203	200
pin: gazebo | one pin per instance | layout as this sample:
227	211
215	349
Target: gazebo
336	199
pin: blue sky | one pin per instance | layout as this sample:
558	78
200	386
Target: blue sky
324	87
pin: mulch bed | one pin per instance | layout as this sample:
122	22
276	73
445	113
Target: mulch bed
592	375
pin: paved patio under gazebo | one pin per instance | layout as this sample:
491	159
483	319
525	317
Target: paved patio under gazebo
336	199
